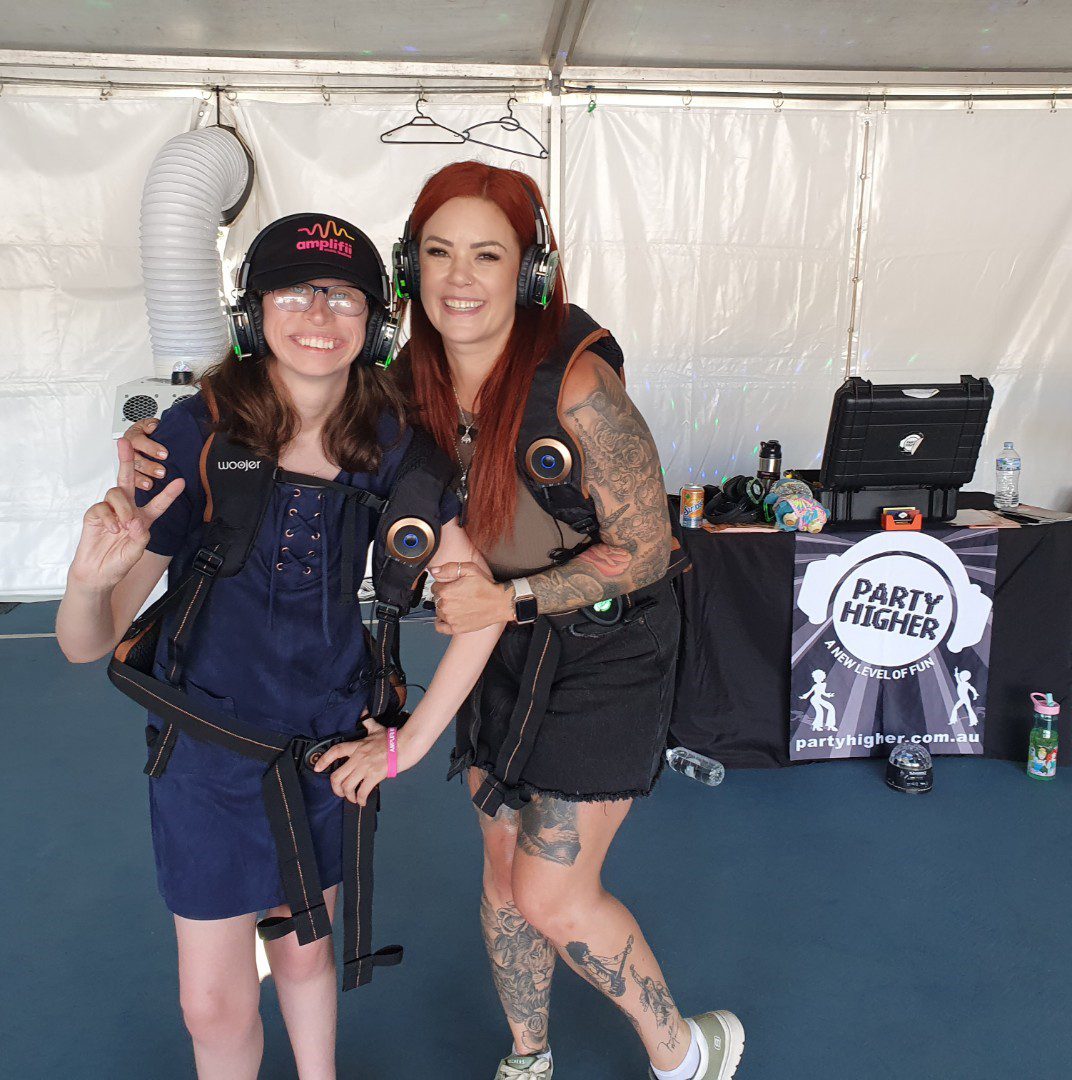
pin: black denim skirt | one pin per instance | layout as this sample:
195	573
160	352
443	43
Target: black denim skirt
603	732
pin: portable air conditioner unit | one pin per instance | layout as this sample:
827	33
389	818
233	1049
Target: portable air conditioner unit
142	399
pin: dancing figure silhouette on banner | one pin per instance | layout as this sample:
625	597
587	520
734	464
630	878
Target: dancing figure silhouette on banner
964	688
825	717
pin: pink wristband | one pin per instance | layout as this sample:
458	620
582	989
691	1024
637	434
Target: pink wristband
392	753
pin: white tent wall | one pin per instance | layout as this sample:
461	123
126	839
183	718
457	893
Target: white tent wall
72	310
718	241
312	155
968	270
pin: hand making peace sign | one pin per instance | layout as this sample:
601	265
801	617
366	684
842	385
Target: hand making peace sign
116	531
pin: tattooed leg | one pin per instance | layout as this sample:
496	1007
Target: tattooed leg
549	830
522	963
522	959
656	999
593	932
603	972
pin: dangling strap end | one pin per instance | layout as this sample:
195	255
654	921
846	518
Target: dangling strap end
311	925
493	793
358	972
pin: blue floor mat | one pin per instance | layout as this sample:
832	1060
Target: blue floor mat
858	933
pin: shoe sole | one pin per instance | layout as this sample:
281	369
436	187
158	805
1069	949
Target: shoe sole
734	1047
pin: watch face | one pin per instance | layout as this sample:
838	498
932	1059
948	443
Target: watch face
525	609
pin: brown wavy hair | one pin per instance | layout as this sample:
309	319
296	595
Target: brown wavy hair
258	414
493	478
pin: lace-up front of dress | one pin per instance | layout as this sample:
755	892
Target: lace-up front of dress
303	549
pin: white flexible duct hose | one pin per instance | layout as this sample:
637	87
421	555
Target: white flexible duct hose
193	181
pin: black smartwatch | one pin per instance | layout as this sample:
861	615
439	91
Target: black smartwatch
525	610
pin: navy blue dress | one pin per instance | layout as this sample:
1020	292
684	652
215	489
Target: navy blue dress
274	646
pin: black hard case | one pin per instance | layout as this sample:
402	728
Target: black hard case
865	463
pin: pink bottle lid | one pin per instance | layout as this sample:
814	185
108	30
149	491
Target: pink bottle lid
1039	701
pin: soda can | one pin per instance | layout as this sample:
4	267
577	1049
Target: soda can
692	503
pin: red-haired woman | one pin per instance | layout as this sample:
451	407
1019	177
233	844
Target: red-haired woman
569	721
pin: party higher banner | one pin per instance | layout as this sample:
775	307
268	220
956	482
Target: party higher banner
891	642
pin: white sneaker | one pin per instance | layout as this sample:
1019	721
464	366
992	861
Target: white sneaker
721	1046
523	1066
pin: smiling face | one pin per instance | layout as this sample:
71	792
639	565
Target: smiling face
316	342
470	257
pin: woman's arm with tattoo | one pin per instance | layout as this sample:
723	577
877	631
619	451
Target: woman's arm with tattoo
622	473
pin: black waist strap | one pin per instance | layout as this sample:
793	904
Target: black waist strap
284	803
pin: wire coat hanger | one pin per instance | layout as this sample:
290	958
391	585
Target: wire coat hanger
421	125
510	123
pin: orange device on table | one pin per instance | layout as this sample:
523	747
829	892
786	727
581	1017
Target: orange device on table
901	519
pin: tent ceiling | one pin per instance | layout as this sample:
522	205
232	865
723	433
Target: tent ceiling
953	35
886	35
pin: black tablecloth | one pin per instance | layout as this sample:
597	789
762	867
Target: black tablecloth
733	687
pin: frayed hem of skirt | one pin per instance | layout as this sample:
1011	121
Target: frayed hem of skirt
459	763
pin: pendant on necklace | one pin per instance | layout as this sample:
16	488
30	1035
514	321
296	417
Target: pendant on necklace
466	437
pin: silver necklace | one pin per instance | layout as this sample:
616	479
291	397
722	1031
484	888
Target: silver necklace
466	438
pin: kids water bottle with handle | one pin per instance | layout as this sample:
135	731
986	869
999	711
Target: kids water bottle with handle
1007	482
1042	749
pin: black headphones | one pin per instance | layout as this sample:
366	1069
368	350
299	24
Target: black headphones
738	499
536	277
247	315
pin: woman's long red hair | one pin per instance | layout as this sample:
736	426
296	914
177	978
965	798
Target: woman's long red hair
501	401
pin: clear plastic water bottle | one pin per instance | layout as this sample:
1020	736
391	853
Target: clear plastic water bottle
695	766
1007	485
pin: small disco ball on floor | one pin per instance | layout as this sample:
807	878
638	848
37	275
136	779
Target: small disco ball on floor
910	769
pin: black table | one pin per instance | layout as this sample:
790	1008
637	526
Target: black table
733	686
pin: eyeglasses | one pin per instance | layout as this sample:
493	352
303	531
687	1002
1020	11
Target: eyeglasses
341	300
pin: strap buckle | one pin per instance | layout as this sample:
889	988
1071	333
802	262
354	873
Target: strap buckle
208	562
311	750
385	612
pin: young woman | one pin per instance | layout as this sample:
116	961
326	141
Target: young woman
273	647
566	763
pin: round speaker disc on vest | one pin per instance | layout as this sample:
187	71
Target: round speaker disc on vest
548	461
410	540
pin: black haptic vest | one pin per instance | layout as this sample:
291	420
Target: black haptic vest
238	487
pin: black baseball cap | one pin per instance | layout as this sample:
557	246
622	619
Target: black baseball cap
306	246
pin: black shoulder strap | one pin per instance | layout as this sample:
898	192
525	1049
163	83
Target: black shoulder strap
564	498
406	541
238	487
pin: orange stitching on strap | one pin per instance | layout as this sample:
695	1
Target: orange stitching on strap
182	625
381	701
193	716
163	743
532	702
357	882
297	858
